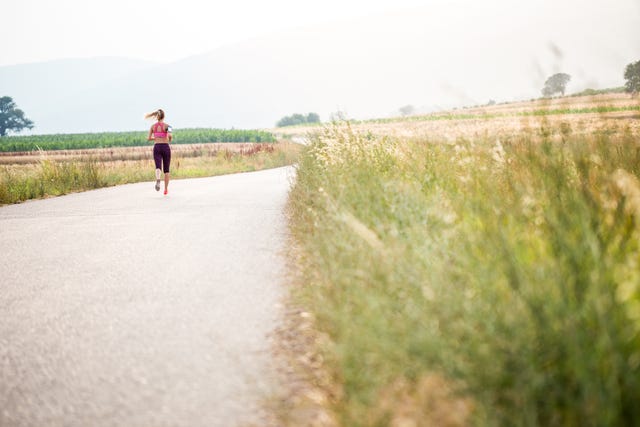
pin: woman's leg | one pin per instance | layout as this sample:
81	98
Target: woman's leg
157	158
166	163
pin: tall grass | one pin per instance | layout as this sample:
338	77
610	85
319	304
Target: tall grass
48	178
508	269
53	177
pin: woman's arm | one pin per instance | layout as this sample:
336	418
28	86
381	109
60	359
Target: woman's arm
169	134
150	136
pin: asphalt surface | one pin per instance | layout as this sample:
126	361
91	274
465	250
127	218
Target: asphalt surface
124	307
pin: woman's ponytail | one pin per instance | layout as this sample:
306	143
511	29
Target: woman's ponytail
158	114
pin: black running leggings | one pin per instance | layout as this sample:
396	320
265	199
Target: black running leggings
162	156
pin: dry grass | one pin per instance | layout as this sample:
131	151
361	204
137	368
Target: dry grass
451	130
429	401
42	174
578	102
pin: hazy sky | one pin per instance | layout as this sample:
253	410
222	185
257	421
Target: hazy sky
364	57
165	30
160	30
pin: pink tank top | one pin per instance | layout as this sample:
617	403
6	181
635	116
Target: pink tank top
159	130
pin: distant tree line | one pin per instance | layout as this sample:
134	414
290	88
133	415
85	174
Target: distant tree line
298	119
557	83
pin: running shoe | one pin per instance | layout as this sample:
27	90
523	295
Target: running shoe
165	192
158	185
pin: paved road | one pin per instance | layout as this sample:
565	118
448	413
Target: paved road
121	306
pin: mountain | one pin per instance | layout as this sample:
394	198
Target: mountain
47	91
367	67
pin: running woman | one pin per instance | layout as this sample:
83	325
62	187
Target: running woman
160	134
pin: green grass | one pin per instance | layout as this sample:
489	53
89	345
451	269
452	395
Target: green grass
510	267
54	178
127	139
592	92
586	110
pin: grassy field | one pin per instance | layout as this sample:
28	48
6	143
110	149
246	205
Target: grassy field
584	114
126	139
487	277
40	174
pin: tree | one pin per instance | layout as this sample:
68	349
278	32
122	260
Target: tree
556	83
632	77
313	118
406	110
12	118
298	119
